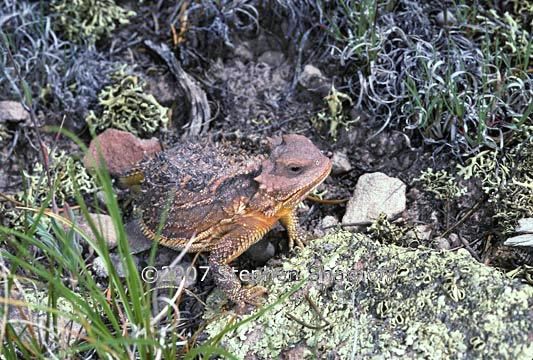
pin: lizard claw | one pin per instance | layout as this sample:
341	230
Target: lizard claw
296	241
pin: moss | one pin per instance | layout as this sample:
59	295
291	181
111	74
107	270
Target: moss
65	172
91	19
387	301
127	107
507	180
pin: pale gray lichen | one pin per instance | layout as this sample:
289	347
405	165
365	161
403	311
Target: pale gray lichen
383	302
66	173
388	233
91	19
441	184
507	180
127	107
5	135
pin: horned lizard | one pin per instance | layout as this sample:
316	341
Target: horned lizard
227	201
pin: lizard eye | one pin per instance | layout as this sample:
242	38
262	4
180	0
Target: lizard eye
294	169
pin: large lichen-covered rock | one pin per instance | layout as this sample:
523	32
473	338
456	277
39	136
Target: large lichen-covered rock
369	300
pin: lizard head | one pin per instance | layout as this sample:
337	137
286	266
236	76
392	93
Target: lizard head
295	167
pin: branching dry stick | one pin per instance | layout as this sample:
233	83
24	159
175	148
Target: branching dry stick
33	117
200	113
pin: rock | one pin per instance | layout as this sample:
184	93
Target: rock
261	251
327	225
375	193
120	150
313	80
243	51
340	162
13	111
520	240
272	58
101	270
525	226
424	232
454	240
450	18
442	243
383	301
104	224
137	241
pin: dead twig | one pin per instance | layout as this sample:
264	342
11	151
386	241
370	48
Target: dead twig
200	113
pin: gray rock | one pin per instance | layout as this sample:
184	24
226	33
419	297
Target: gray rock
525	226
327	225
340	162
261	251
137	241
101	270
272	58
104	224
442	243
379	301
243	51
450	18
375	193
454	240
312	79
13	111
520	240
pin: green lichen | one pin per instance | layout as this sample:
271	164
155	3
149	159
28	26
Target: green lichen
91	19
335	117
4	133
507	180
441	184
388	233
508	35
378	301
66	173
127	107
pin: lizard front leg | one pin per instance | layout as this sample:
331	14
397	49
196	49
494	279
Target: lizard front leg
292	224
228	248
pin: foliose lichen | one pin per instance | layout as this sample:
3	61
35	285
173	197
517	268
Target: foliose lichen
372	301
507	180
4	133
441	184
66	174
127	107
91	19
389	233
